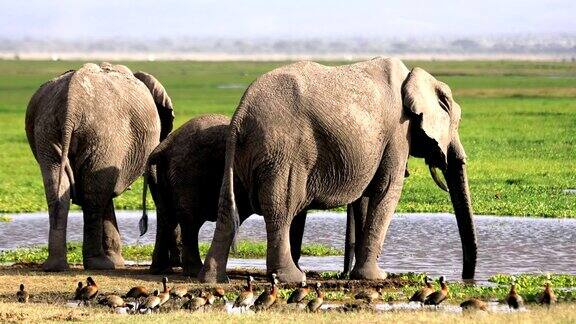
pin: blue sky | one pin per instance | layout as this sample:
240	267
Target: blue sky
146	19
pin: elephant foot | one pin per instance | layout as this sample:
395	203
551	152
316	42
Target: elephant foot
99	263
290	275
369	271
116	258
54	264
210	273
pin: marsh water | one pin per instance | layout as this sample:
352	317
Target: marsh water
415	242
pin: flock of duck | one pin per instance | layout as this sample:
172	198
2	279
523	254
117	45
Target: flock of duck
144	302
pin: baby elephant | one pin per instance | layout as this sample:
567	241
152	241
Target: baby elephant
189	167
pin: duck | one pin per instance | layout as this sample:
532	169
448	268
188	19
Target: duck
268	297
514	300
219	293
164	295
548	297
369	295
22	295
246	297
421	295
194	303
151	302
88	292
298	295
438	296
78	290
114	301
137	292
178	292
474	304
314	304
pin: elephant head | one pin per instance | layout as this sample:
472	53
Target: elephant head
162	100
434	122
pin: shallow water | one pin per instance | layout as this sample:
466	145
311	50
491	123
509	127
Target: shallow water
415	242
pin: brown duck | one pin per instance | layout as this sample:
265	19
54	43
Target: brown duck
219	293
151	302
245	298
548	297
137	292
114	301
78	290
178	292
203	300
474	304
421	295
438	296
22	295
88	292
369	295
314	304
298	295
268	297
514	300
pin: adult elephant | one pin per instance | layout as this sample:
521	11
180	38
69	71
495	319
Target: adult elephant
310	136
186	169
91	131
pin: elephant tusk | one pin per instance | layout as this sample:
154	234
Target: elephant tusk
439	181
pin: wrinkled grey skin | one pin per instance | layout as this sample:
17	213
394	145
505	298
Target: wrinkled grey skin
309	136
91	131
189	166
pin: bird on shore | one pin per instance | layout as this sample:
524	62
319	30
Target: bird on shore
548	297
137	292
114	301
78	290
245	298
88	292
421	295
314	304
151	302
438	296
298	295
219	293
514	300
164	295
178	292
369	295
268	297
22	295
474	304
203	300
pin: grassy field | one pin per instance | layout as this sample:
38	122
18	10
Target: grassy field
518	128
51	292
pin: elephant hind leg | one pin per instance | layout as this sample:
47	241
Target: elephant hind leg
296	234
111	241
94	257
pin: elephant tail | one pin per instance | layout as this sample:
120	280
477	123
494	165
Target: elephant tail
65	167
227	211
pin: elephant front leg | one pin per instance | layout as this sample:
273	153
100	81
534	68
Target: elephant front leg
296	234
111	241
191	261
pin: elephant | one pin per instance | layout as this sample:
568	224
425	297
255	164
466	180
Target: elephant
91	131
308	136
188	167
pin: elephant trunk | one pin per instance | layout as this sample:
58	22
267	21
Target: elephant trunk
457	180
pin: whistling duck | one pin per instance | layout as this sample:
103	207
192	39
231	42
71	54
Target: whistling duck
298	295
151	302
245	298
474	304
548	297
438	296
422	293
513	299
114	301
78	290
178	292
268	297
203	300
219	293
369	295
314	304
88	292
137	292
22	295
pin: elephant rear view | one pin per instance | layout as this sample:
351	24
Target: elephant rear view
91	132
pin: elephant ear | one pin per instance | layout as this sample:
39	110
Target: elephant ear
428	103
162	100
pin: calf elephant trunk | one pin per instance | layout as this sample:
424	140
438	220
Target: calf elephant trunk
457	179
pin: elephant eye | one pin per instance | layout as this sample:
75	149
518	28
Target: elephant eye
443	101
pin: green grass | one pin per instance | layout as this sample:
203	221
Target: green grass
5	219
518	126
244	250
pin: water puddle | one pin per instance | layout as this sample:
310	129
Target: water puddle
415	242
